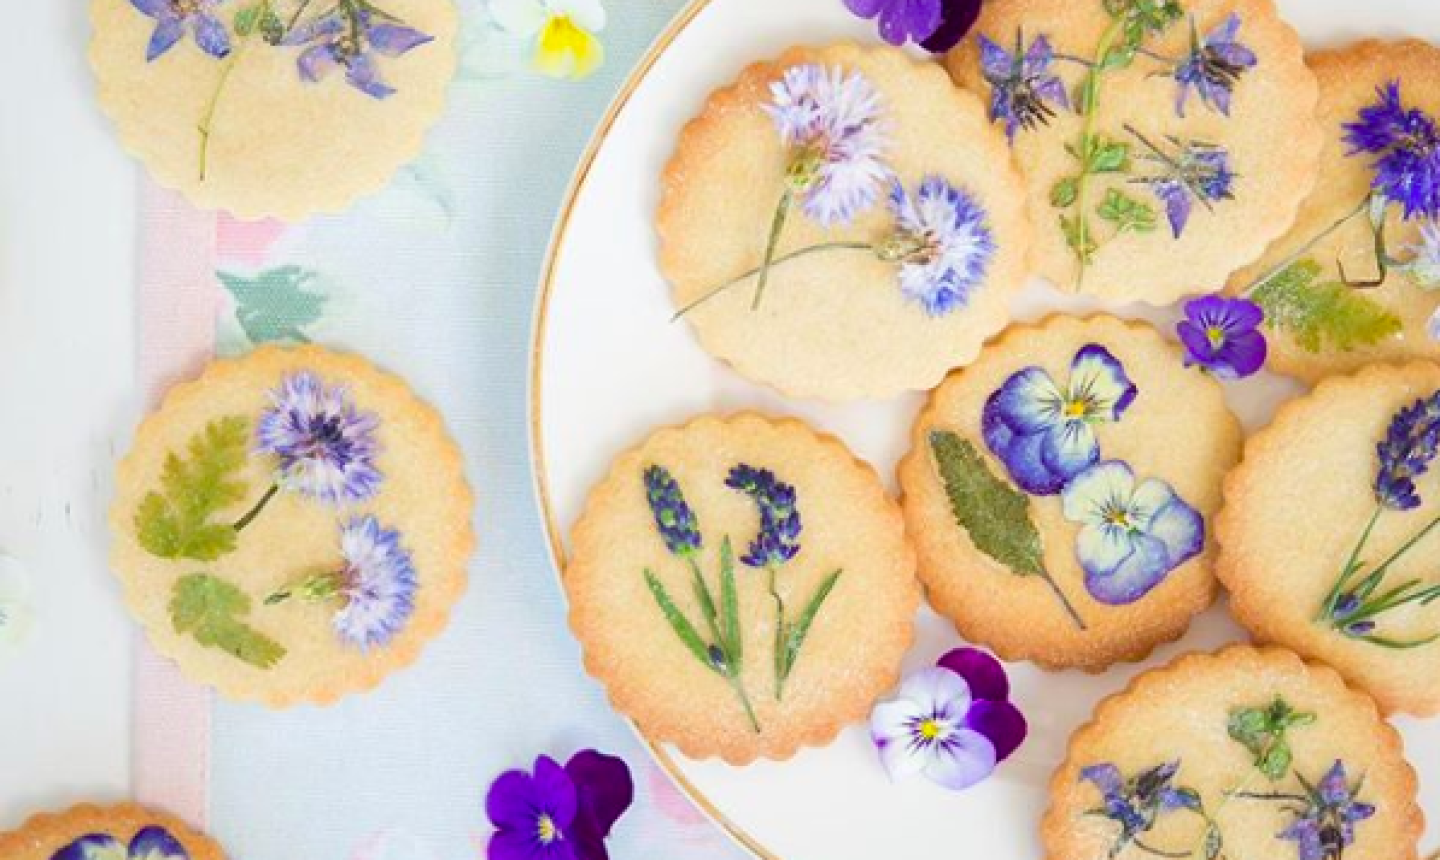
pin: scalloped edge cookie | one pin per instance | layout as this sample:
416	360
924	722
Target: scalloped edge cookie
48	832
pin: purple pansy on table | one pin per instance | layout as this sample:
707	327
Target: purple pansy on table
1043	433
326	447
1137	803
1213	66
1406	146
1024	93
936	25
174	18
151	843
350	37
1222	336
953	722
558	813
943	244
1326	826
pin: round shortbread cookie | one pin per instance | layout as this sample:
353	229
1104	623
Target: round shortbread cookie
279	144
774	490
1349	79
1138	108
1251	753
1295	510
85	832
844	324
292	526
1012	516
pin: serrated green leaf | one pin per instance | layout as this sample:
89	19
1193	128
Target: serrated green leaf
211	610
1126	213
175	522
274	305
684	630
1085	247
1263	731
1107	156
245	20
796	633
1064	193
1322	315
994	514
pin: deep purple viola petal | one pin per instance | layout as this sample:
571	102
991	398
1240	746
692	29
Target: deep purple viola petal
603	785
558	790
957	18
1244	354
156	843
167	32
364	75
315	62
1001	723
513	801
985	674
211	35
392	40
866	8
93	845
1198	348
905	20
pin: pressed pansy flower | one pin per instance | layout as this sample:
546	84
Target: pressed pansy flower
1406	146
952	722
174	18
1131	535
1223	337
555	813
561	33
1137	803
1024	92
1326	826
936	25
151	843
778	538
326	446
1044	433
943	244
1213	66
350	37
674	519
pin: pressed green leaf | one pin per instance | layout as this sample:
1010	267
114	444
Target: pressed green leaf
1214	841
1085	247
211	610
274	305
730	608
175	522
1263	731
678	622
1065	192
996	515
797	632
706	601
245	20
1107	156
1328	315
1126	213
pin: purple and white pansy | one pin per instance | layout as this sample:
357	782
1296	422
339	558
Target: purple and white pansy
151	843
1044	433
953	722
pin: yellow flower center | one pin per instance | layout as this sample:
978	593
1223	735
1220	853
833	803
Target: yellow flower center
932	730
1075	409
1119	518
1216	336
546	830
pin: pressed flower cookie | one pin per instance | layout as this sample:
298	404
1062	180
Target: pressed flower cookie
1378	107
125	832
1147	130
292	526
1245	753
1327	535
896	220
277	108
1059	491
742	587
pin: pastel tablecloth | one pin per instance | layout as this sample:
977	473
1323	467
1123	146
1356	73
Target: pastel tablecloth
435	279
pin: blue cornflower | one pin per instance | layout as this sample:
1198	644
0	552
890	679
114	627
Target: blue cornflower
1024	94
778	539
1406	453
1137	803
1213	66
174	17
943	244
151	843
1326	826
377	583
350	37
325	445
673	517
1406	143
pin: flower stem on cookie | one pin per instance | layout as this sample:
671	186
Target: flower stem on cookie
257	508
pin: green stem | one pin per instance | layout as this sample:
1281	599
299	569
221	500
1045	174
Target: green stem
777	227
1064	600
1327	608
295	18
1176	855
1306	248
739	687
207	122
1406	547
780	668
707	597
1087	134
778	261
254	512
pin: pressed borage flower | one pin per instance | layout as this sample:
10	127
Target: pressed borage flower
1325	827
174	18
953	723
1214	66
350	37
942	243
555	813
1024	93
1137	803
151	843
1222	336
325	446
1187	172
1043	433
560	33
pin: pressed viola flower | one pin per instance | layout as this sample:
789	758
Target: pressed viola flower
1406	144
151	843
778	539
1043	433
673	517
943	244
1138	802
174	18
377	584
604	790
1213	66
1223	337
325	445
957	18
1326	826
555	813
561	33
1024	93
901	21
1131	535
1409	447
350	37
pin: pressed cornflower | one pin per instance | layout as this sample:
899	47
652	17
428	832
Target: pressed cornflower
1137	803
555	813
1406	146
674	519
1213	66
560	33
778	539
174	18
1024	93
151	843
326	447
1326	825
350	37
1223	337
1187	172
942	243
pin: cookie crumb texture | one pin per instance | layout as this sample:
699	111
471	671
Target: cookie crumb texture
44	836
1181	729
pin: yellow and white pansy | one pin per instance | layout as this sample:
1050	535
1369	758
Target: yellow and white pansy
561	33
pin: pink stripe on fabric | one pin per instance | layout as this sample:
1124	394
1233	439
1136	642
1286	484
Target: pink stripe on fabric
176	305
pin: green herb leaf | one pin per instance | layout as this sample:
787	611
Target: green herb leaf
1263	731
1065	192
274	305
1126	213
734	642
176	522
211	610
272	30
1214	841
1085	247
1322	315
245	20
796	632
1107	156
996	515
678	622
707	603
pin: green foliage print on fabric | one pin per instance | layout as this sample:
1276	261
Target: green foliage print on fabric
276	305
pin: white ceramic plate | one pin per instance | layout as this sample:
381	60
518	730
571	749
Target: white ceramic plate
609	367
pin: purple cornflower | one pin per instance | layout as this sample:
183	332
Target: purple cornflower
1406	144
1326	827
1137	803
1024	94
556	813
943	244
151	843
673	517
350	37
1213	66
1406	453
326	447
1223	336
377	584
830	121
174	17
1189	171
778	539
936	25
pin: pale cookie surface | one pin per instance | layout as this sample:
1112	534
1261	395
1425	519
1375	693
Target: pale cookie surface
694	477
278	145
292	527
1144	150
1349	80
91	832
1114	510
838	325
1269	756
1297	508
